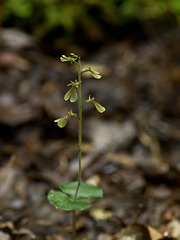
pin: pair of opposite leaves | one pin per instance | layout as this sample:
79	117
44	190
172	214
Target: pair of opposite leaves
65	199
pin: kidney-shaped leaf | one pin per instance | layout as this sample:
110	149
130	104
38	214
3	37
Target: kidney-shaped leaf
86	190
62	201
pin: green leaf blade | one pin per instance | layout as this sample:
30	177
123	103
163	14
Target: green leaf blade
62	201
86	191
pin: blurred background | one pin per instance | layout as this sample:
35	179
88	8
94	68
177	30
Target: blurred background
132	150
89	23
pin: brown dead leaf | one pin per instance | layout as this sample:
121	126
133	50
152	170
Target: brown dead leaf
8	225
154	234
104	236
4	236
55	237
16	232
100	214
17	114
167	238
174	228
135	231
95	180
24	232
138	231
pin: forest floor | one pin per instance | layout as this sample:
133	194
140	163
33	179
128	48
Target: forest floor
132	151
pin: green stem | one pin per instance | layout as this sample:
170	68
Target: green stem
79	127
74	225
79	145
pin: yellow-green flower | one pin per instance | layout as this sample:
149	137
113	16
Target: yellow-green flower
97	105
72	94
61	122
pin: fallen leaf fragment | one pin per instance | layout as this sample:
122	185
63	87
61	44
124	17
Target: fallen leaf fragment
100	214
24	232
154	234
4	236
138	231
104	236
167	238
174	228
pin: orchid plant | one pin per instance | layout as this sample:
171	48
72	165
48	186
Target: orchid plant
71	195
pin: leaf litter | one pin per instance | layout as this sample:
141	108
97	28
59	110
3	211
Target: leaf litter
133	150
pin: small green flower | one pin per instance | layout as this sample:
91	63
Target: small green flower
95	74
65	59
70	113
71	59
89	99
97	105
74	55
86	69
61	122
72	94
